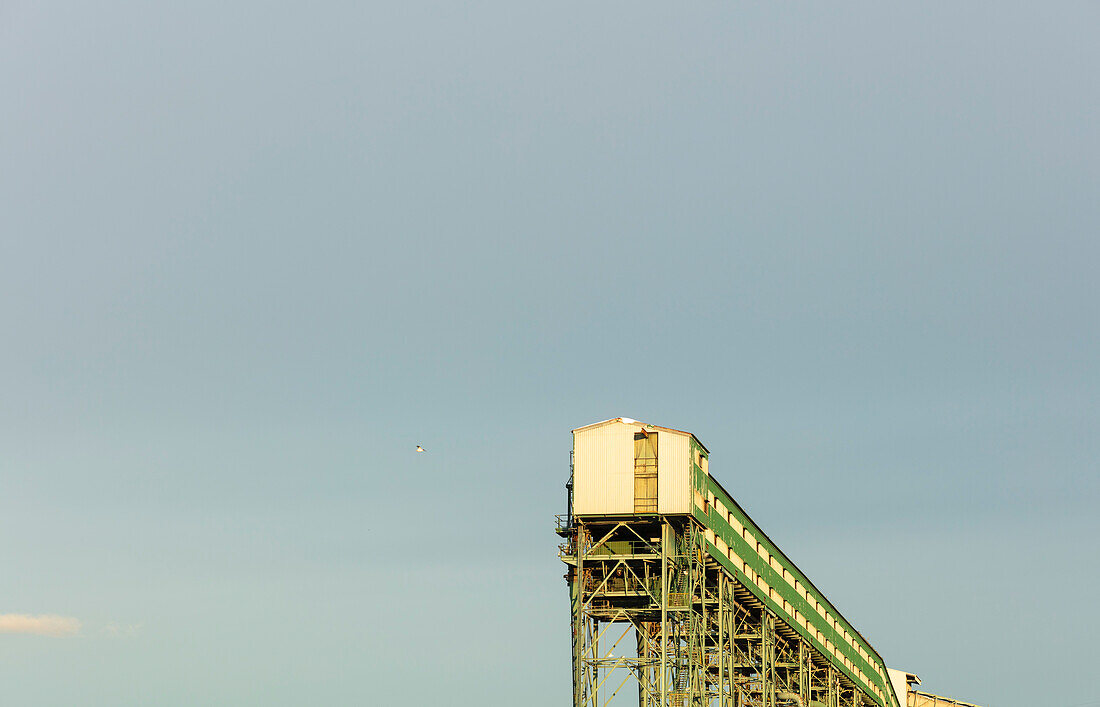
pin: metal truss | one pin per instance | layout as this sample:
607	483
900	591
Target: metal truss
700	638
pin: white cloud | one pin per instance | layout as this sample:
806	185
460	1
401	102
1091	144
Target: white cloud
42	625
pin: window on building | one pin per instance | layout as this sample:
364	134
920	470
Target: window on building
645	472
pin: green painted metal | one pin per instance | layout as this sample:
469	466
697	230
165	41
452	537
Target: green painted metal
707	485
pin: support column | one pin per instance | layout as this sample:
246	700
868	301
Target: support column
665	540
803	672
767	658
576	590
594	658
722	701
697	618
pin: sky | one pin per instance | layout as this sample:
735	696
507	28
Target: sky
252	254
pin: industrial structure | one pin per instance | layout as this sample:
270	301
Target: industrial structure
674	589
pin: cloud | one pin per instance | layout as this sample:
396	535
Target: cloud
42	625
121	630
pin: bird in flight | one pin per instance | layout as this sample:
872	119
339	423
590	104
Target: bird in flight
419	448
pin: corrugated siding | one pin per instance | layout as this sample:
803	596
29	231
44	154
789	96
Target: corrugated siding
603	470
673	478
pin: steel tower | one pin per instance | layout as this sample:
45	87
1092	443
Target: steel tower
665	598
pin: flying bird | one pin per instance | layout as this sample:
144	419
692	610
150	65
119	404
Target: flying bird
419	448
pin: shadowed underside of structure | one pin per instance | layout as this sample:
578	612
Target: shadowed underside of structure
695	634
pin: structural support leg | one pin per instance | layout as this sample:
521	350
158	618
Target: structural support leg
767	658
666	540
576	591
804	672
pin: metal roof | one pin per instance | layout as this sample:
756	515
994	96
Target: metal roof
632	421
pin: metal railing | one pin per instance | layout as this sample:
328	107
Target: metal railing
624	548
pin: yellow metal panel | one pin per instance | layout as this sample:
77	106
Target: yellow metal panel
673	472
603	470
899	685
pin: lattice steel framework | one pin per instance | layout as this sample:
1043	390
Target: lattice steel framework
700	638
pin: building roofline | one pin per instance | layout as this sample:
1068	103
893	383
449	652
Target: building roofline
632	421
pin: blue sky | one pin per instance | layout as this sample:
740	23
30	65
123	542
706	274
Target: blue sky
250	256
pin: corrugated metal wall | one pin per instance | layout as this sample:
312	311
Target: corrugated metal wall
603	469
926	699
673	479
